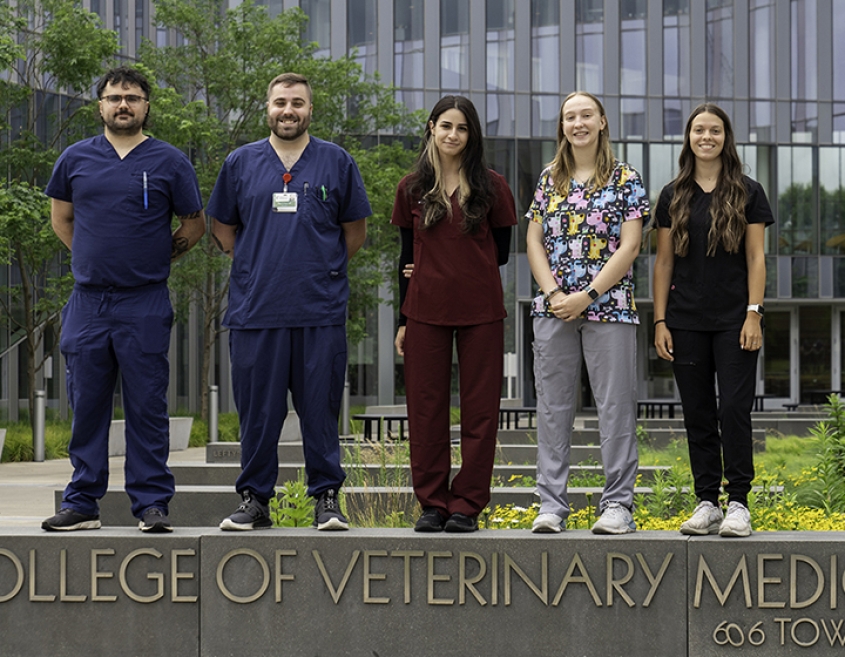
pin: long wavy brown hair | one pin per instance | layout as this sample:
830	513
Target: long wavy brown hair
426	181
563	165
727	205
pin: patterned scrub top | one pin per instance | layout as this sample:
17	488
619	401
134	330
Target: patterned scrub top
581	231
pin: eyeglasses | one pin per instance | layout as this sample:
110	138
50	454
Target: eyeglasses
115	100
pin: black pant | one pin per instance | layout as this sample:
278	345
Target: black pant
703	358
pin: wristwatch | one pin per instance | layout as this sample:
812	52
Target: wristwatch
593	294
756	307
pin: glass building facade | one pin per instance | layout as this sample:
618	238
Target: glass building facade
776	66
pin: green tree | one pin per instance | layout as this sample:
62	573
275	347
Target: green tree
213	99
45	46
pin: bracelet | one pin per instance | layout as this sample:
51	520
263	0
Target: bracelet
659	321
548	295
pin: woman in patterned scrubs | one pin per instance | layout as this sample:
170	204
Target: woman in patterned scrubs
584	233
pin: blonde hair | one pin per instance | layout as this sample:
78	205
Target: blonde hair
563	165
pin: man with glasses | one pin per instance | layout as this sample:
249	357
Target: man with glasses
113	200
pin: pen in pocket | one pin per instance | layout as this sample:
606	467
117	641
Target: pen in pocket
146	197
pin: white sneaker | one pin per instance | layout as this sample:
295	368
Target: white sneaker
615	519
737	521
548	523
706	519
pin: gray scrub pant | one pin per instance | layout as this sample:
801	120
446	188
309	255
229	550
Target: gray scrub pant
609	351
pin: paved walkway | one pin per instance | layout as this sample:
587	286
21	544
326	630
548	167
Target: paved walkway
27	490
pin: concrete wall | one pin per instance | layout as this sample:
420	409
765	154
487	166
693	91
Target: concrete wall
286	592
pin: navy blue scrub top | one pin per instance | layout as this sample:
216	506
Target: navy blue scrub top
122	237
289	269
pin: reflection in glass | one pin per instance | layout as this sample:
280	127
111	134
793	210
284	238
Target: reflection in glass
500	45
500	115
676	50
674	118
796	209
454	44
832	200
762	121
814	353
839	123
361	25
633	48
663	166
633	118
720	52
805	278
589	45
803	49
545	111
413	100
408	24
775	354
838	58
761	51
805	122
545	46
318	27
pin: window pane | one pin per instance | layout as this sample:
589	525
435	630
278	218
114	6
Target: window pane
674	119
803	39
676	63
500	115
838	52
832	200
796	213
500	49
545	45
762	121
776	354
633	118
408	43
545	111
814	352
805	122
720	54
361	33
454	44
589	45
761	51
318	27
633	49
839	123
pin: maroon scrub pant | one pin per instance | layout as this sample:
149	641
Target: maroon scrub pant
428	373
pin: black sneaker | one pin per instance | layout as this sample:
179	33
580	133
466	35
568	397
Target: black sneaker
68	520
155	522
327	515
251	514
430	521
460	523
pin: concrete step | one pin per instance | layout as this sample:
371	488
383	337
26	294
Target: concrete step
292	453
206	506
225	474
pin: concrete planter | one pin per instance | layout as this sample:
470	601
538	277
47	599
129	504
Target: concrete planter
180	434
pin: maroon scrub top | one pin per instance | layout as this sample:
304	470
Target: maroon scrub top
456	277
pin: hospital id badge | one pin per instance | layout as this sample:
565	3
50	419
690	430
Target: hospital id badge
284	202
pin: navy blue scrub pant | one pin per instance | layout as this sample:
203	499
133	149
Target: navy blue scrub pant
719	435
266	363
106	331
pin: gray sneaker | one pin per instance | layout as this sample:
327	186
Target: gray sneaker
548	523
737	521
251	514
615	519
327	515
706	519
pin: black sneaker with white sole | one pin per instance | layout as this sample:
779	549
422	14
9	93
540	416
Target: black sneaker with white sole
251	514
68	520
327	515
155	521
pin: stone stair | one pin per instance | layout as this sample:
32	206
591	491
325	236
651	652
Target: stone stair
205	491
